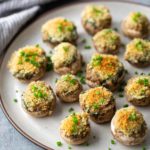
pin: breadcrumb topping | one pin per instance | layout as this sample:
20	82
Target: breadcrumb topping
95	14
128	120
38	95
138	50
107	38
67	84
105	65
75	125
139	87
65	53
27	60
59	29
95	98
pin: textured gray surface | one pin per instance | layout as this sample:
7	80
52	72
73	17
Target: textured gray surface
10	139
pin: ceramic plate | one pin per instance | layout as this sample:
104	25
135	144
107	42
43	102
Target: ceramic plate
44	131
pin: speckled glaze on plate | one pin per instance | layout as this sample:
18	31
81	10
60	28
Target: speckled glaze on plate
45	131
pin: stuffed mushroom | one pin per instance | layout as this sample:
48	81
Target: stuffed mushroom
128	126
75	129
99	103
38	99
28	63
59	30
138	53
137	90
107	41
105	70
136	25
68	88
96	18
66	59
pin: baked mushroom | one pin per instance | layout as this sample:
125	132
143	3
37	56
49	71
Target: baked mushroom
59	30
128	126
38	99
28	63
136	25
105	70
107	41
75	129
137	90
66	59
99	103
138	53
96	18
68	88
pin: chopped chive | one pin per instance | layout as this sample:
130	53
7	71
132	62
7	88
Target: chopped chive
115	29
16	91
69	147
125	105
143	148
126	71
56	80
142	73
96	60
109	148
113	142
37	45
15	100
98	92
122	45
132	116
66	48
59	143
120	95
94	137
71	109
87	47
144	81
87	144
49	65
136	73
83	40
60	28
149	74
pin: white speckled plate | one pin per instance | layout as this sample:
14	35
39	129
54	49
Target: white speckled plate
44	131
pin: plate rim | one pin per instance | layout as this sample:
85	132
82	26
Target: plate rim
4	110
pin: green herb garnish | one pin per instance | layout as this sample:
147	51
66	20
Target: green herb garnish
139	45
59	143
49	65
38	93
132	116
144	81
87	47
97	105
15	100
71	110
66	48
60	28
125	105
97	59
81	77
136	73
113	142
98	92
83	40
120	95
75	121
136	16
